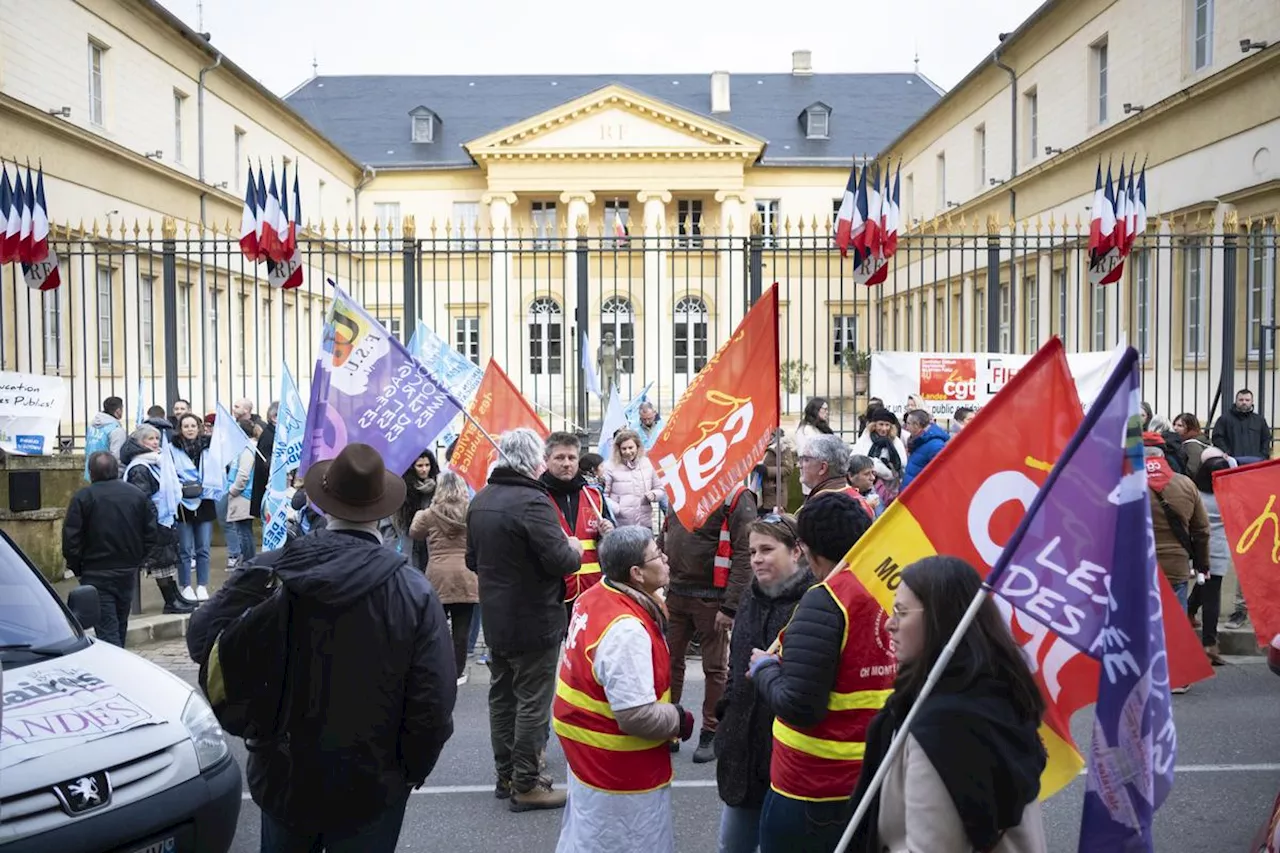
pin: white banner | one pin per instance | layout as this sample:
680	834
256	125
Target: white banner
946	381
31	407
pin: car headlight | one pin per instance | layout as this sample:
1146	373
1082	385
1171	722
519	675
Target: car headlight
210	743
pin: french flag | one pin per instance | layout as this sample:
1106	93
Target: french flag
8	250
283	224
848	210
260	217
249	220
272	232
871	204
41	271
1103	222
25	246
1138	210
1120	235
13	224
894	220
287	274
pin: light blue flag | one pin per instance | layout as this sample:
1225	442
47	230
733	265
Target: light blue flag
633	416
451	367
170	493
615	418
286	455
225	446
589	367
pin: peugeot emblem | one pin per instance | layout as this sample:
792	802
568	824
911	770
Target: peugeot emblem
84	794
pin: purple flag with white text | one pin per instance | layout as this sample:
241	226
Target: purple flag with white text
1083	563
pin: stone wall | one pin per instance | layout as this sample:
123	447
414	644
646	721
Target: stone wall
39	532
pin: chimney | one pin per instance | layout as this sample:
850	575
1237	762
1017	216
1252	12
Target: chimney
801	63
719	91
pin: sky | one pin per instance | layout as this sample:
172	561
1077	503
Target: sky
277	41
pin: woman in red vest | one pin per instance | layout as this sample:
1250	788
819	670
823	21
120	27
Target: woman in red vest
612	709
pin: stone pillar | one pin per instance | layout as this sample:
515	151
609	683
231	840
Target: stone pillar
653	316
563	390
504	318
731	242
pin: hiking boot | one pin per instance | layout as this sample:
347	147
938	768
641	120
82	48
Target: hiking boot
1236	621
706	748
540	796
502	790
1215	655
675	746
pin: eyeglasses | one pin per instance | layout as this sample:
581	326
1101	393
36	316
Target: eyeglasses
900	613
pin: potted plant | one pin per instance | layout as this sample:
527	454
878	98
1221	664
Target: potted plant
857	362
793	374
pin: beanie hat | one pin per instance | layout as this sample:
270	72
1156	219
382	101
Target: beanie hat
830	523
1152	439
882	416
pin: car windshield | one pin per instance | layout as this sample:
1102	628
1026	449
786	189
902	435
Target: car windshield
30	614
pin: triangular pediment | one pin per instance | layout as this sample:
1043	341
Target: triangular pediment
616	121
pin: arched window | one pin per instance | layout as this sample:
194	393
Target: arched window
617	316
546	337
690	338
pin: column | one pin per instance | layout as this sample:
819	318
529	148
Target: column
563	395
503	317
731	242
654	314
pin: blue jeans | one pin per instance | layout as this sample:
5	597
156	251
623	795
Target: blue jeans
739	830
243	533
474	636
1180	590
378	836
228	531
193	539
800	826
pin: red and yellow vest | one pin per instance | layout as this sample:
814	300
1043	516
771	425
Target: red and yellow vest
586	527
598	752
822	762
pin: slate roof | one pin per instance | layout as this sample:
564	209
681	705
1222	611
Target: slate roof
368	115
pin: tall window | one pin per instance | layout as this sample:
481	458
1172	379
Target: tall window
1060	303
1140	276
980	157
770	227
106	330
97	112
239	164
690	335
619	318
544	223
51	308
466	337
1099	82
844	340
546	337
1031	311
1260	304
184	325
387	215
689	226
1032	108
616	219
1193	342
1201	33
146	318
980	320
466	219
1006	318
179	105
1099	300
941	179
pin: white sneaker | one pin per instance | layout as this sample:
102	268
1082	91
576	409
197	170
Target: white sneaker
462	679
188	593
202	593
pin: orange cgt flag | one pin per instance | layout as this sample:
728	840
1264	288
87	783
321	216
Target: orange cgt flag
969	501
498	407
725	420
1249	498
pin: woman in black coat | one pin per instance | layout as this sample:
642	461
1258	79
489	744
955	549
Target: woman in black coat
744	738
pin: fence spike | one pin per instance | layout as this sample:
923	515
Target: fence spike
95	228
1248	222
322	229
215	229
814	225
377	227
351	229
448	227
1039	224
1079	224
1013	226
108	227
1231	221
432	228
364	226
756	224
409	227
168	227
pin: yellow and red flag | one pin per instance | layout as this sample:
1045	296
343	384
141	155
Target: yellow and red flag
723	423
969	501
498	407
1248	498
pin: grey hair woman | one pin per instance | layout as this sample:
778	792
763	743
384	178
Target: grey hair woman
522	450
140	464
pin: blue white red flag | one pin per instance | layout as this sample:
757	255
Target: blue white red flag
40	269
1082	562
286	454
846	222
249	220
12	217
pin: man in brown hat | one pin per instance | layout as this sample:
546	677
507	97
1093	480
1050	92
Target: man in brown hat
373	681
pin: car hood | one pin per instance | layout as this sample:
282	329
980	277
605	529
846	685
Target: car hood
86	711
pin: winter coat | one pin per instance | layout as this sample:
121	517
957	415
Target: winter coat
447	562
109	529
744	738
117	432
145	476
1219	547
1239	434
375	684
924	447
1184	500
769	496
206	511
262	469
238	501
1193	447
632	488
692	554
882	449
815	637
516	546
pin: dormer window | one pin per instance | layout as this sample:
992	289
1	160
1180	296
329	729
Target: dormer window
816	119
424	124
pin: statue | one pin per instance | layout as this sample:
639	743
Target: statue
607	365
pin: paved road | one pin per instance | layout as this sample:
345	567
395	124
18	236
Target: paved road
1228	774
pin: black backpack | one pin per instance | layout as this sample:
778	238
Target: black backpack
1174	452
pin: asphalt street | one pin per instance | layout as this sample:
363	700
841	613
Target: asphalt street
1228	774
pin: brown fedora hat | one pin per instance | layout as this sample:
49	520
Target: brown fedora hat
355	486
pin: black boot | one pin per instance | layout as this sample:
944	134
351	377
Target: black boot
173	600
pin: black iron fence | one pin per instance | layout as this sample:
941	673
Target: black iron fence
157	314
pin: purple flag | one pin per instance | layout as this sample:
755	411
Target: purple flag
367	388
1083	563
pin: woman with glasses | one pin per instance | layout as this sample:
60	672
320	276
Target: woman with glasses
744	738
970	769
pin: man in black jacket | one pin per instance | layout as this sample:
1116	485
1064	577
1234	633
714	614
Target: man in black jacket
522	555
262	461
372	662
108	531
1242	432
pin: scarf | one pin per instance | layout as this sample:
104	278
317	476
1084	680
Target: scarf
192	447
417	496
1159	473
989	759
882	448
567	494
653	606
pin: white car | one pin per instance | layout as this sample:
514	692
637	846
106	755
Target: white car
100	750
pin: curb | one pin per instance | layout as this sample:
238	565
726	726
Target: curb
1241	641
156	628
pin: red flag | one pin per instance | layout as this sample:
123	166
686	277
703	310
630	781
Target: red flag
1249	498
724	422
498	407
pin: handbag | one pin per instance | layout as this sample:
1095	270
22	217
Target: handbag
192	490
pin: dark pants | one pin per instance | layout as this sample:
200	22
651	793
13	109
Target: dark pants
521	690
379	836
1207	595
460	616
690	616
800	826
115	597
